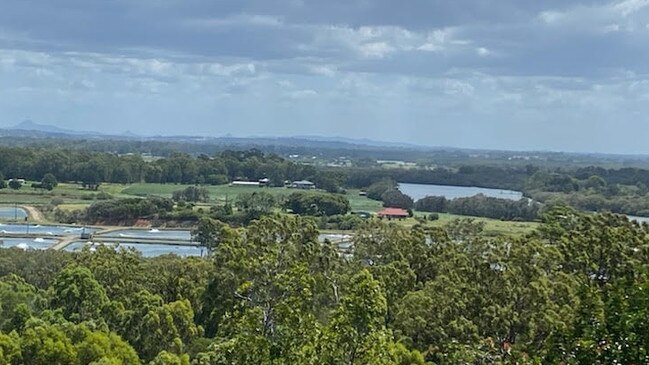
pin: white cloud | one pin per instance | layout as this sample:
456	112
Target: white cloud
440	40
325	70
457	87
483	52
629	7
301	94
376	49
238	20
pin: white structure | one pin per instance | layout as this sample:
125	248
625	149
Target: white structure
302	184
244	183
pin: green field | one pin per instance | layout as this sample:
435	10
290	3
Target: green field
69	193
493	227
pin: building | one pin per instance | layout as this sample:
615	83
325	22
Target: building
244	183
264	182
393	213
302	184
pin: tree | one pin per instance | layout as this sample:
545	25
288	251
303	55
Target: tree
78	294
167	358
192	194
14	292
377	189
208	233
95	346
10	349
317	204
15	184
49	182
152	326
432	204
357	333
46	344
396	199
256	203
3	183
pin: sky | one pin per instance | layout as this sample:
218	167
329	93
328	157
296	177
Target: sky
501	74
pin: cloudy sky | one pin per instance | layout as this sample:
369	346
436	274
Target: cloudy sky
508	74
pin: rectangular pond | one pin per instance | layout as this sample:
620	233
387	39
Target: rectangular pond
46	230
147	249
12	213
27	243
180	235
419	191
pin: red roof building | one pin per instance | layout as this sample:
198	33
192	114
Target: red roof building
393	213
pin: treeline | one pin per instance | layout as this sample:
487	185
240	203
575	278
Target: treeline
117	211
501	177
573	292
481	206
97	167
619	191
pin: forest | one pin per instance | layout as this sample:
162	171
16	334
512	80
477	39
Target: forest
575	291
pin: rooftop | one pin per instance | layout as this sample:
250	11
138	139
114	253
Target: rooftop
395	212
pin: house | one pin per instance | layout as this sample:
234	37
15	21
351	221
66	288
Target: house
302	184
264	181
396	213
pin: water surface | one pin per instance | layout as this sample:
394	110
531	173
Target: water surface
12	213
147	249
27	243
181	235
46	230
418	191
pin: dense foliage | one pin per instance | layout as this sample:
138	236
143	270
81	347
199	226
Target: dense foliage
191	194
481	206
573	292
124	210
96	167
317	204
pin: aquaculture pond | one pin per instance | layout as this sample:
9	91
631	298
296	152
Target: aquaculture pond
178	235
12	213
147	249
46	230
27	243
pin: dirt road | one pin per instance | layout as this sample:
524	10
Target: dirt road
35	215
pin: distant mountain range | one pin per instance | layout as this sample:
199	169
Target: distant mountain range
29	128
28	125
32	130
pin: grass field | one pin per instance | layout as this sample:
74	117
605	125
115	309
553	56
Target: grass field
493	227
69	193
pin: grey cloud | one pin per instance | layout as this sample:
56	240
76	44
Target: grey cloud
441	71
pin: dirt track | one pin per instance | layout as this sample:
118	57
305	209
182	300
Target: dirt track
35	215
